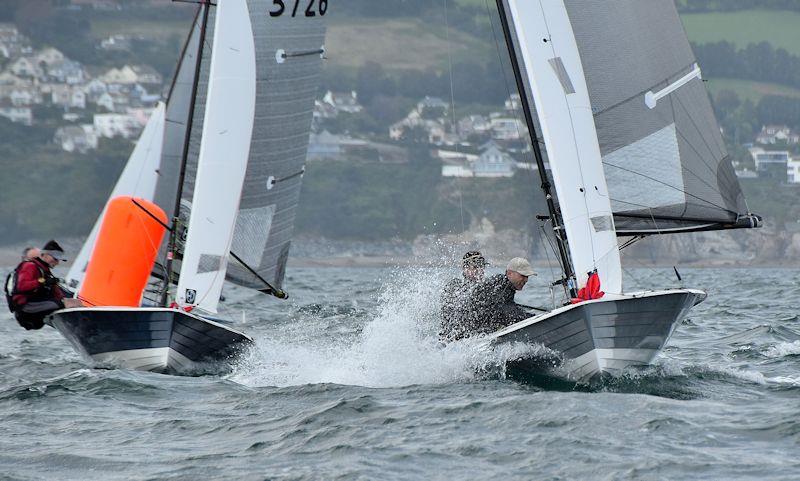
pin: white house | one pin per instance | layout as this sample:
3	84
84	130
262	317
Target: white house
493	162
77	138
26	67
474	124
67	71
342	102
24	96
49	56
68	97
508	128
778	134
324	146
793	171
22	115
115	125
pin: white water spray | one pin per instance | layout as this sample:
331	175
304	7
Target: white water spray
399	346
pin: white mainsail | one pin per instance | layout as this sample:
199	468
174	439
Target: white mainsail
138	179
554	73
222	163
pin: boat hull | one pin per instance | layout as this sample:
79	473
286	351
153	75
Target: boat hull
604	336
150	339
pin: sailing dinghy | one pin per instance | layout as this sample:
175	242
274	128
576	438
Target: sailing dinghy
225	156
634	150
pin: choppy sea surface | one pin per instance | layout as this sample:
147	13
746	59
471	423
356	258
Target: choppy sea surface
347	381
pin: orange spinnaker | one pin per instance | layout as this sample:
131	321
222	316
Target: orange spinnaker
124	253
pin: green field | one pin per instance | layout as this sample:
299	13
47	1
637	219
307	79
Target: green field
747	89
780	28
402	43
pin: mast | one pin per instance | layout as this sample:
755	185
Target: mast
185	155
546	186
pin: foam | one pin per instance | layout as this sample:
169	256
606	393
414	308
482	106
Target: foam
398	347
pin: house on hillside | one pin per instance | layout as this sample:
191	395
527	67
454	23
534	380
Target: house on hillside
474	125
26	67
508	128
772	164
777	134
116	125
342	102
493	162
793	171
67	71
49	57
25	96
21	114
432	107
324	146
513	104
132	74
75	138
68	96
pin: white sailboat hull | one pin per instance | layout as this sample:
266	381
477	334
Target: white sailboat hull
605	336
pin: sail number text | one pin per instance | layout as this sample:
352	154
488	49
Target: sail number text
279	7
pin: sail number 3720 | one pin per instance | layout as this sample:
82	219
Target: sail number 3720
279	7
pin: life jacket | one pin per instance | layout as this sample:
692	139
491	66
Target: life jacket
591	291
10	286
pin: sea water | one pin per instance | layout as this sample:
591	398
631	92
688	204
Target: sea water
348	381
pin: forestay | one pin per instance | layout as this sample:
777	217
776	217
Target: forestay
222	160
664	158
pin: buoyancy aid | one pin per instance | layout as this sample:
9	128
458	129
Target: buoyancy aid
16	297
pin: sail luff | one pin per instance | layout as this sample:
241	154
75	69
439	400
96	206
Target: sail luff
554	71
138	179
222	161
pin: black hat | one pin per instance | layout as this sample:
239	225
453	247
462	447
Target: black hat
473	259
54	250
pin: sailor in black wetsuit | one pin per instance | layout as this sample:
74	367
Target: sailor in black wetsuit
455	297
492	301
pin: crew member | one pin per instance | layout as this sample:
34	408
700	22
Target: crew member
455	297
34	291
492	301
30	253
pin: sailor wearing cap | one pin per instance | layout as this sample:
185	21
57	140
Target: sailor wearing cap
492	301
33	291
456	294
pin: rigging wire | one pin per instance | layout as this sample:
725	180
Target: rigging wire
517	115
453	114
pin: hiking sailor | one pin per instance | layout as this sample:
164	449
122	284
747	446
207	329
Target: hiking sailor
455	297
492	301
32	291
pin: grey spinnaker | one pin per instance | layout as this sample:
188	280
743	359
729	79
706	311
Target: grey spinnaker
667	167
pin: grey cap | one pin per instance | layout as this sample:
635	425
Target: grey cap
521	266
